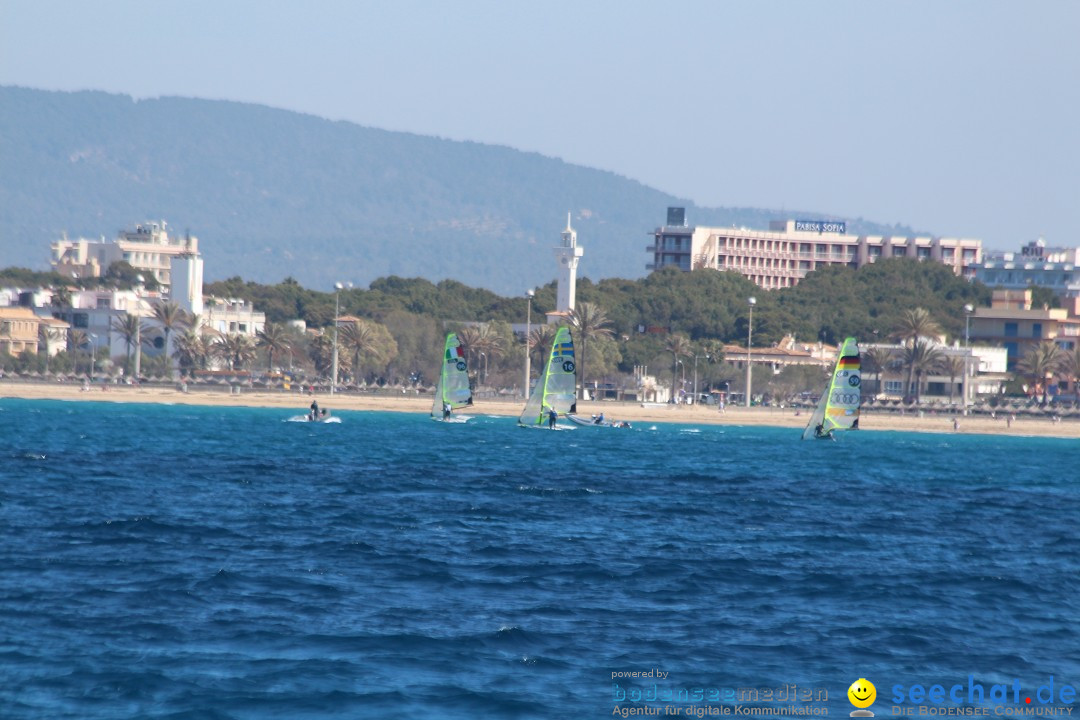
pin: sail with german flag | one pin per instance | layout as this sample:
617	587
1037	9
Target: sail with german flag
838	408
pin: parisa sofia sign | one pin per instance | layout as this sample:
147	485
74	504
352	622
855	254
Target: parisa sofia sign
821	226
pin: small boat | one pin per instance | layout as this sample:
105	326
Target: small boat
596	421
452	390
556	389
323	418
838	408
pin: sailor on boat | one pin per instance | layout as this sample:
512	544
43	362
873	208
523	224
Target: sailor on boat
314	414
552	417
447	409
599	419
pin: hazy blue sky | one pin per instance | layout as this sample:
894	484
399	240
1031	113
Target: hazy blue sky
960	118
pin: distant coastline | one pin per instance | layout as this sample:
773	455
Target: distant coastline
941	422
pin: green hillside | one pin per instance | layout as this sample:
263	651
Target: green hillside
272	193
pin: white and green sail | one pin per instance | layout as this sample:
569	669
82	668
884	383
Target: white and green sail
839	406
453	385
557	387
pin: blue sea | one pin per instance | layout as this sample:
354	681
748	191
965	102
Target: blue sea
191	562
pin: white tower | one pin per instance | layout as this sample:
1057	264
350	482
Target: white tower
187	282
567	255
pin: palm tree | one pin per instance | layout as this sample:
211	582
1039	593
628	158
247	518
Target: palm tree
61	299
171	317
275	339
591	322
321	351
127	327
879	359
1071	366
77	338
359	338
1040	363
920	357
192	350
915	324
954	365
469	337
678	346
236	349
481	339
540	340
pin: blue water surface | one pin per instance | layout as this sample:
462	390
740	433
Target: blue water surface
191	562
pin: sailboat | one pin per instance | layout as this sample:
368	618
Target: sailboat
452	390
557	386
839	405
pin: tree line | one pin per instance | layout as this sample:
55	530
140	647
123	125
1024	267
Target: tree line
669	322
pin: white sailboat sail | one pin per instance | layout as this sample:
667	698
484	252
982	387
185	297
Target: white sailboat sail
453	385
839	406
557	387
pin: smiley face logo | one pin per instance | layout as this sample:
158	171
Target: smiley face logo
862	693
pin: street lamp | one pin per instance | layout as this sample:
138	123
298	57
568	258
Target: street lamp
139	280
483	377
749	338
968	309
528	331
338	287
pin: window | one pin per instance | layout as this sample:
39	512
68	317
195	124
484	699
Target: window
924	253
899	252
80	320
874	251
1010	329
1036	330
103	304
894	387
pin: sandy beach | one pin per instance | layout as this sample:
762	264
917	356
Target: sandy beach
632	412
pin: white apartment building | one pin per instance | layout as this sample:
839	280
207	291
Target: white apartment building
1035	264
782	255
148	248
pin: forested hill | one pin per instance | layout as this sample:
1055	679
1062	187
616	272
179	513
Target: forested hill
272	193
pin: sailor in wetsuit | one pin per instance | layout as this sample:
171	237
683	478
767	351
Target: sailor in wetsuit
314	415
552	417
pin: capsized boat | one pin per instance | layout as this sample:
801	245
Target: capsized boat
557	386
452	389
838	408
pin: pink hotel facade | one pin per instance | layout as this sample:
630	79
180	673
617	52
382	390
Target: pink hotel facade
782	255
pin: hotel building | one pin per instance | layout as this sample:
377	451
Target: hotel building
1035	264
782	255
1012	322
148	249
